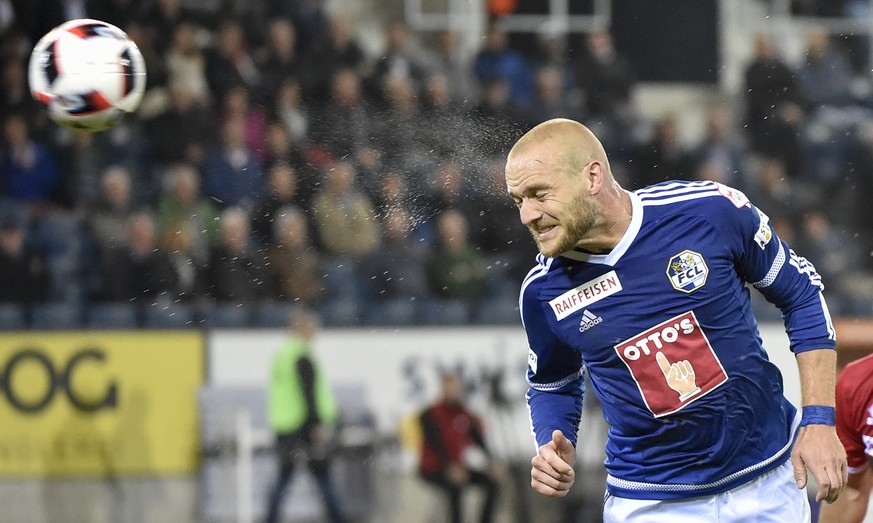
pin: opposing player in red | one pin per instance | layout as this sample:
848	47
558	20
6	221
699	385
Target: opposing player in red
855	428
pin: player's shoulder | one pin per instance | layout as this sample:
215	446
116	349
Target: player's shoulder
706	199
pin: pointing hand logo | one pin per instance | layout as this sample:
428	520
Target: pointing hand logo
680	376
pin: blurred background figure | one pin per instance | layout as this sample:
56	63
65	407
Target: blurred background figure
454	456
24	277
301	412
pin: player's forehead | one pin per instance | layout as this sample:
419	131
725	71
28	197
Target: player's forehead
531	172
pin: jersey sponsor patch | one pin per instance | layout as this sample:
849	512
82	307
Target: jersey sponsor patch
764	234
734	195
673	364
585	294
687	271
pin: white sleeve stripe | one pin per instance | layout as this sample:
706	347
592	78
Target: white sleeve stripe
832	332
778	262
804	267
555	385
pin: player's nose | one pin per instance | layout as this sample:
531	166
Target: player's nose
529	211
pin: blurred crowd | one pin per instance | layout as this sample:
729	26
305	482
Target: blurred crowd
275	162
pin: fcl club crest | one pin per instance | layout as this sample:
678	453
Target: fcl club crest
687	271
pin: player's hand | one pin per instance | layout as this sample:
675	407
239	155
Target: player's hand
818	449
552	471
680	376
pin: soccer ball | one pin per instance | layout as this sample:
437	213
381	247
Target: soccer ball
88	74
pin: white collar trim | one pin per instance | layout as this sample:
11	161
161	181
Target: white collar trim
629	236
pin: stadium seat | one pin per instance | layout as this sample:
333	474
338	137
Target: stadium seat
229	315
396	312
169	316
444	312
498	311
111	316
344	312
56	316
12	317
273	315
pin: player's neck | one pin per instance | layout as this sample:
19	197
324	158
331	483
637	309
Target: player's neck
616	219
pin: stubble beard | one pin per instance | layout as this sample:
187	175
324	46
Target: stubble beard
571	231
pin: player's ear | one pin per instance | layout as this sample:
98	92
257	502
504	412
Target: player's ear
596	176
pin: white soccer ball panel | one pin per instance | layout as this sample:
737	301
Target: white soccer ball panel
88	74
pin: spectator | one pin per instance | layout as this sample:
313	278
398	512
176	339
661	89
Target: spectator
450	190
184	132
184	212
344	216
301	412
825	77
607	79
498	121
720	152
290	112
450	62
396	269
769	83
186	63
456	270
232	174
109	221
282	183
454	456
139	272
235	270
279	60
447	121
24	276
399	60
343	128
294	260
550	99
497	61
29	170
498	232
237	103
339	51
664	157
230	63
282	149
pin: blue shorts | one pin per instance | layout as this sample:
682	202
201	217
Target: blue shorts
771	498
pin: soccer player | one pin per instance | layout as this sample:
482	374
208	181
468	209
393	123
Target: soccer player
855	428
646	291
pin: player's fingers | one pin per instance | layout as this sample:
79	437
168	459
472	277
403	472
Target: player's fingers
549	462
549	485
799	471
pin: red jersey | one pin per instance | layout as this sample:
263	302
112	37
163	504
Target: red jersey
855	412
449	430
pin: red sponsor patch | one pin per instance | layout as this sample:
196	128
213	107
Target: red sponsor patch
673	364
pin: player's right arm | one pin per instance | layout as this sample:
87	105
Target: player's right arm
852	505
554	397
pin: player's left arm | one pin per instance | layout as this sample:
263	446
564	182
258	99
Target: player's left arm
818	448
792	284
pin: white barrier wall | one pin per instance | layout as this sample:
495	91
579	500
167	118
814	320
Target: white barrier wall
398	369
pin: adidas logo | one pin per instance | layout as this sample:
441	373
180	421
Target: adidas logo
588	320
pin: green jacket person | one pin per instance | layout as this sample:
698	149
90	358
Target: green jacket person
300	406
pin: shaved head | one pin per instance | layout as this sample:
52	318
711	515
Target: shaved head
572	144
559	177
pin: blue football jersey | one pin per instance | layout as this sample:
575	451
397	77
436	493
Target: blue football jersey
664	327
